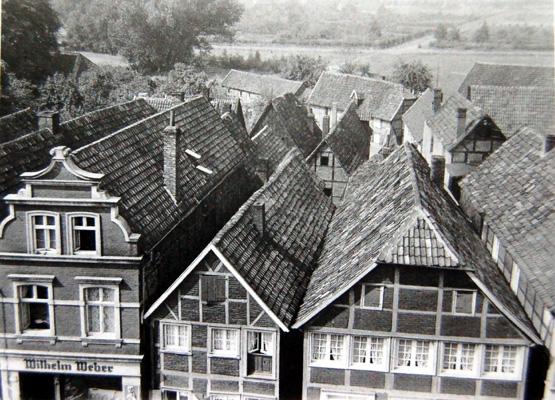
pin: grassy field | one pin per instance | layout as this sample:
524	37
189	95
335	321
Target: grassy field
449	67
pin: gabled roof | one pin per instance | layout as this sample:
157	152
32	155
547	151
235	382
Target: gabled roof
277	263
273	146
444	122
264	85
286	114
382	99
31	152
418	113
349	140
389	206
226	104
515	188
507	75
17	124
514	107
131	160
240	134
161	103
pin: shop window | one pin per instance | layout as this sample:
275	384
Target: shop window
45	233
85	237
328	348
260	352
372	296
213	288
225	342
464	302
176	337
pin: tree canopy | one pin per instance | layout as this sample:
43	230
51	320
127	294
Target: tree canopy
303	68
29	44
414	75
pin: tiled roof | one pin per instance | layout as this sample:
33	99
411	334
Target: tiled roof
514	107
382	99
17	124
389	207
418	113
444	122
161	103
31	152
286	114
278	263
349	140
515	187
507	75
132	163
273	146
227	104
264	85
240	134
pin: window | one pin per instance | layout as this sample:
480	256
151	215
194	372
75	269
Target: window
213	288
414	356
260	350
502	360
346	396
100	311
370	352
459	358
372	296
324	161
328	191
176	337
225	342
464	302
34	308
175	395
224	397
515	276
328	348
45	233
85	237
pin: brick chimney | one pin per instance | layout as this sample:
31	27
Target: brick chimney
177	95
259	216
333	114
438	99
461	122
49	120
548	144
263	169
437	169
310	121
325	126
171	136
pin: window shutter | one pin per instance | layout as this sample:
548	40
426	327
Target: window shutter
213	288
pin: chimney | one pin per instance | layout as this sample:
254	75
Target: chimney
49	120
461	122
333	114
548	144
438	99
437	169
171	156
263	169
178	96
310	121
259	216
325	126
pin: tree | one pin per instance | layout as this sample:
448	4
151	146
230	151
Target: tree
482	34
440	33
454	34
60	93
303	68
29	44
414	75
184	78
351	67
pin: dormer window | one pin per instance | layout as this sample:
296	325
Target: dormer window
45	233
85	238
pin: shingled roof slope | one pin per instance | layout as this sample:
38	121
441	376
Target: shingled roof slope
515	187
278	263
444	121
161	103
418	113
514	107
264	85
382	99
387	203
507	75
132	163
17	124
349	140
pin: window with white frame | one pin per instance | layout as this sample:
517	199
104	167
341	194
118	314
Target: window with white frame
372	296
176	395
101	310
45	233
346	396
260	352
464	302
328	348
502	360
85	234
459	359
225	342
223	396
176	337
416	356
35	308
370	352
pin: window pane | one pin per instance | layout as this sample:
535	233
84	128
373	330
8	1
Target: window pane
93	316
508	363
253	344
38	220
42	292
422	354
359	349
92	294
169	335
336	348
373	296
108	294
90	221
109	324
50	221
218	339
39	316
183	335
491	363
467	357
40	236
26	291
376	351
450	356
404	353
78	221
318	346
464	302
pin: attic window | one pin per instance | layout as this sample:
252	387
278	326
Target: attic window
192	154
324	160
213	288
205	170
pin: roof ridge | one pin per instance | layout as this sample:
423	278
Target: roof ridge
26	136
413	178
138	99
16	113
511	65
